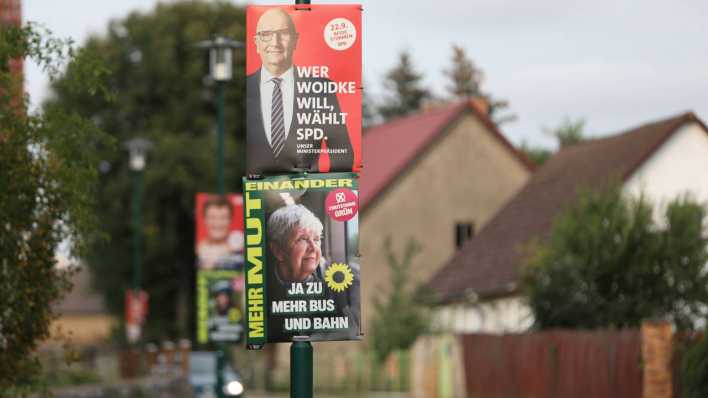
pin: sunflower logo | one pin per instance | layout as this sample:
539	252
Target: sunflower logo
339	277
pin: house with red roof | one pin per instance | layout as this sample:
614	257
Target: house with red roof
477	290
434	177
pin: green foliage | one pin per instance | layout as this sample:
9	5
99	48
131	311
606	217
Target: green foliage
399	314
568	132
465	77
48	178
368	110
607	263
159	92
538	156
405	93
466	82
694	370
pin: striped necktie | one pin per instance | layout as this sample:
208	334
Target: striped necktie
277	121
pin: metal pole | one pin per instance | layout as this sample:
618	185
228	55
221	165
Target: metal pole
220	133
301	369
220	354
220	361
301	375
137	227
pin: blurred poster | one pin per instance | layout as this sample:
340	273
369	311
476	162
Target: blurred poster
136	308
219	231
303	88
302	268
219	306
219	253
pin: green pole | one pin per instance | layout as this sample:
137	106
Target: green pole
301	374
220	133
137	227
220	354
220	361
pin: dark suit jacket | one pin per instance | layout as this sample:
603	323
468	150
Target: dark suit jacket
259	155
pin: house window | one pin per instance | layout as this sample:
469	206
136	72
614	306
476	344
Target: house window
463	232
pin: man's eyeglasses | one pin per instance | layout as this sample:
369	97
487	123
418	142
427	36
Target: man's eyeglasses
267	35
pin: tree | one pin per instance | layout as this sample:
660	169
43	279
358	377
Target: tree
48	178
399	315
608	263
466	82
568	132
465	77
405	93
368	112
694	370
538	156
159	90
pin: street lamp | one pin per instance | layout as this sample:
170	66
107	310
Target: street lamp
221	71
137	149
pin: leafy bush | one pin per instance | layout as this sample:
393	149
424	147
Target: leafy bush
694	371
608	263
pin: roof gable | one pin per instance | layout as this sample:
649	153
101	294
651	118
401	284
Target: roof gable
488	265
391	148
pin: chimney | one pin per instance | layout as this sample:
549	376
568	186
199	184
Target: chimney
481	104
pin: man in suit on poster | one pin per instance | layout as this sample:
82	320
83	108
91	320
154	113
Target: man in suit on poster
277	141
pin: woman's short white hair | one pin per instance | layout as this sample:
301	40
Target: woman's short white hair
284	220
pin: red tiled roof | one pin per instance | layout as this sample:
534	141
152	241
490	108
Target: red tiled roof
390	148
489	264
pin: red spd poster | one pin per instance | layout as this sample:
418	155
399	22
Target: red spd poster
219	231
303	66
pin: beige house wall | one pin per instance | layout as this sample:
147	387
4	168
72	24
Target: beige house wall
82	329
466	177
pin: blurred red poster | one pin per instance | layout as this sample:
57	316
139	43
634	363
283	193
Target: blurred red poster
136	309
219	231
136	306
303	66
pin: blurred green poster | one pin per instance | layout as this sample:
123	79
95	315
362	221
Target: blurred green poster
219	306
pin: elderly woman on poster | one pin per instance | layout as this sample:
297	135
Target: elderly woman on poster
295	241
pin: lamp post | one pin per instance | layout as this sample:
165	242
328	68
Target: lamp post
301	353
221	71
137	148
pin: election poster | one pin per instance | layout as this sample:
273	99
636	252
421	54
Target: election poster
220	306
219	231
302	258
136	309
303	88
219	260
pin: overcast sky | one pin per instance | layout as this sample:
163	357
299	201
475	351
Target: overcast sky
615	63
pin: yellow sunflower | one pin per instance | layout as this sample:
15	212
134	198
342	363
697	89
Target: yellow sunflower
339	277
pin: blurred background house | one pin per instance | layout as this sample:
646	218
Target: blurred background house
83	317
477	290
435	177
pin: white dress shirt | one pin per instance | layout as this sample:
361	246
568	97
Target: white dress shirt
287	88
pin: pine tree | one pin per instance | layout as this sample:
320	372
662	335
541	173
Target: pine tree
465	77
405	92
466	82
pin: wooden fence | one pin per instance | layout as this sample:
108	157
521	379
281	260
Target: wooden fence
554	364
